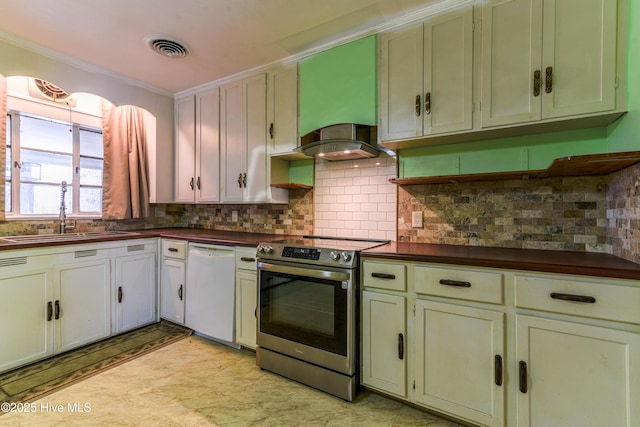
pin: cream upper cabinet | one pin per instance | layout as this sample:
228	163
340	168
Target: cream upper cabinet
243	121
545	59
426	77
198	148
282	109
459	361
573	374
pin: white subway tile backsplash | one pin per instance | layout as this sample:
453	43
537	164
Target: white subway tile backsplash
355	199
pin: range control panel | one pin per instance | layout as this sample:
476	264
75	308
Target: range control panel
308	255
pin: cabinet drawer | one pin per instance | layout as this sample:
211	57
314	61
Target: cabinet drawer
174	249
384	275
581	298
246	258
473	285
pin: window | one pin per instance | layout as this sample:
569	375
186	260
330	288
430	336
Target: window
41	153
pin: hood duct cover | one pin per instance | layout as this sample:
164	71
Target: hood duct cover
344	141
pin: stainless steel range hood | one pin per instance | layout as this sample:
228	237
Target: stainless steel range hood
345	141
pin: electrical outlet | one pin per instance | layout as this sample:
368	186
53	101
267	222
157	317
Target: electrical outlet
416	219
234	216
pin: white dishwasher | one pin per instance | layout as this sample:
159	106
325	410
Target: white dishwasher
210	291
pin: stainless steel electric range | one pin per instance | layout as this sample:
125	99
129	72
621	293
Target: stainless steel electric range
308	311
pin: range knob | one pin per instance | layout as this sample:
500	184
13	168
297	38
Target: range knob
263	249
346	256
335	256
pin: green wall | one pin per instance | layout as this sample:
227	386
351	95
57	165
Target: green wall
534	152
339	85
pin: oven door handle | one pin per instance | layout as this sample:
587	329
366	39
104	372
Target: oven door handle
305	272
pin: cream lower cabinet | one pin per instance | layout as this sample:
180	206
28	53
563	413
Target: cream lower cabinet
497	347
26	311
459	355
571	374
173	274
246	297
135	293
82	305
384	331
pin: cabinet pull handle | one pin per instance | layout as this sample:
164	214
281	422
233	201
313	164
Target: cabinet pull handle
191	183
418	105
537	82
244	180
456	283
57	304
383	276
548	80
49	311
180	293
427	103
173	249
523	376
271	131
198	183
240	180
401	346
119	294
247	259
574	298
497	362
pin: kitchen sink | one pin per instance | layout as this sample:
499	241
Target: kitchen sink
44	238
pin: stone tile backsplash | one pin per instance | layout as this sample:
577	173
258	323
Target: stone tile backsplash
556	214
623	213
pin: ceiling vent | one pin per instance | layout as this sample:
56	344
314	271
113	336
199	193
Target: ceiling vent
166	46
42	89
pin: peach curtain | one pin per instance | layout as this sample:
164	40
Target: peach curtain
3	134
125	187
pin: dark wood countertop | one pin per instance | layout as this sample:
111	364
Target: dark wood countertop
214	237
582	263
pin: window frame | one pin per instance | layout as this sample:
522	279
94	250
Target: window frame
74	186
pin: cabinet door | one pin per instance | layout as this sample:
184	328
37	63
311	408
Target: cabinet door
25	325
511	54
82	303
246	305
231	139
401	78
172	290
579	50
208	147
282	98
448	67
576	375
135	292
384	352
254	91
459	353
185	149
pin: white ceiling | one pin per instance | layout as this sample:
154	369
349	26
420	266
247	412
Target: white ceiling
224	36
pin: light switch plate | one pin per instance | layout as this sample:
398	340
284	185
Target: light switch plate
416	219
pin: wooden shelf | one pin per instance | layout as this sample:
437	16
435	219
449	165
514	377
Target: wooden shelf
293	186
588	165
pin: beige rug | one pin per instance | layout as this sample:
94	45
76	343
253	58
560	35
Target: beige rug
40	378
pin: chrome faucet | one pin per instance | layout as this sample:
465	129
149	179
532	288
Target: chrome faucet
63	214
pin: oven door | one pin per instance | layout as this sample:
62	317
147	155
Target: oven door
307	312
